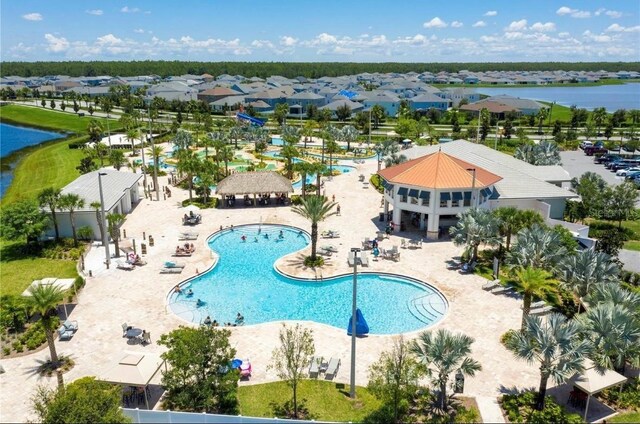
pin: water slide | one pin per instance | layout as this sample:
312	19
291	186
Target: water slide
251	119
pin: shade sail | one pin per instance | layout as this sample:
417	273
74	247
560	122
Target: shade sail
61	283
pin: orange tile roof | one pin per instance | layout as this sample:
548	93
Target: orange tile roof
438	170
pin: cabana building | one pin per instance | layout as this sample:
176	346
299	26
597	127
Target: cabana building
120	192
438	182
257	188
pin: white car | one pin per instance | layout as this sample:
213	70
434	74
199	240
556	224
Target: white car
586	143
624	172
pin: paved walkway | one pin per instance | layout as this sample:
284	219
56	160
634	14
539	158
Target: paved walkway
490	410
138	297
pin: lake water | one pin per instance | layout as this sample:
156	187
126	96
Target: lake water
14	138
611	97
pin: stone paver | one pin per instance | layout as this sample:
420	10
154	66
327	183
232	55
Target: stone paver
138	297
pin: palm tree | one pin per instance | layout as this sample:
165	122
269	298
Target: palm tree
50	197
382	149
587	268
94	129
513	220
614	333
554	344
71	202
616	294
475	226
156	152
392	154
114	221
537	247
541	116
349	134
317	168
315	209
599	115
532	282
308	130
331	148
132	135
44	301
97	207
443	354
188	163
303	168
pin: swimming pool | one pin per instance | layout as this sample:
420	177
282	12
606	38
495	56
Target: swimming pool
311	178
244	280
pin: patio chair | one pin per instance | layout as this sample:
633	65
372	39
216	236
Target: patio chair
64	334
330	248
125	327
188	236
314	367
366	244
501	289
364	259
171	270
416	244
145	338
468	267
332	369
324	252
403	244
124	265
351	258
172	264
70	325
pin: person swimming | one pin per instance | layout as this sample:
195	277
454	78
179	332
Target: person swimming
255	239
266	235
243	238
199	303
189	293
239	318
281	235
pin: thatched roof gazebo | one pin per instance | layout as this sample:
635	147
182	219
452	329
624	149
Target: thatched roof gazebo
258	184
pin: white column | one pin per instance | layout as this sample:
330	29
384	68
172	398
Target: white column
397	215
433	226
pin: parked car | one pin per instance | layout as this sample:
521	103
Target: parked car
628	148
632	175
607	157
623	172
595	150
585	144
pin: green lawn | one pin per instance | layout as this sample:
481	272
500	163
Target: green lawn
51	165
19	270
47	118
325	400
629	417
634	242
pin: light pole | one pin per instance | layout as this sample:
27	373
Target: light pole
105	230
153	153
473	187
370	110
352	388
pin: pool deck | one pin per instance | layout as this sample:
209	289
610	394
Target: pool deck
138	297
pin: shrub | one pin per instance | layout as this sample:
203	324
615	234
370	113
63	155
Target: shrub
376	181
296	199
627	398
504	339
308	262
6	350
519	408
85	233
17	346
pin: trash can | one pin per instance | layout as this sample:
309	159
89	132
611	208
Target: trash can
381	218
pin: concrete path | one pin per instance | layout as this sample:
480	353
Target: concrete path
630	259
490	410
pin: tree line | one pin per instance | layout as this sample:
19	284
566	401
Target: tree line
287	69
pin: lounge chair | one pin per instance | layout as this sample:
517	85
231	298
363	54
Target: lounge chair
468	267
172	264
366	244
541	311
364	259
124	265
536	305
490	285
330	234
70	325
172	270
314	367
182	253
64	334
351	258
330	248
188	236
324	252
125	327
415	244
501	289
332	369
403	244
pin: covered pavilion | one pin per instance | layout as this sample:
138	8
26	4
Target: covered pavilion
133	369
252	185
593	380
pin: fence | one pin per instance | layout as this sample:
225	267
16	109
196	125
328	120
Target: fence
145	416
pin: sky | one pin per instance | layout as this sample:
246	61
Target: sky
321	30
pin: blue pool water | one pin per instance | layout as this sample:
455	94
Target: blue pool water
312	179
245	281
277	141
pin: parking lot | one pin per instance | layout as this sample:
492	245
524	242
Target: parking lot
577	163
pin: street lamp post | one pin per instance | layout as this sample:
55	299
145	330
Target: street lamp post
370	110
105	230
473	187
352	389
155	162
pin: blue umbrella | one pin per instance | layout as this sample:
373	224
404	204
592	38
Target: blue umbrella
362	327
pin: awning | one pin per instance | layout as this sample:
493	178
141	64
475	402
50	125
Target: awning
402	191
445	196
425	194
457	195
485	192
414	192
467	195
387	185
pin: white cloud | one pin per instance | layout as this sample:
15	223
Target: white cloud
288	41
127	9
479	24
620	28
601	38
325	38
546	27
456	24
613	14
600	11
32	17
517	25
56	44
139	31
491	13
435	23
96	12
563	34
574	13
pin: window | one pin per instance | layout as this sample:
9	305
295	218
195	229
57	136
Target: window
455	203
425	196
444	199
403	199
456	198
413	194
467	198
